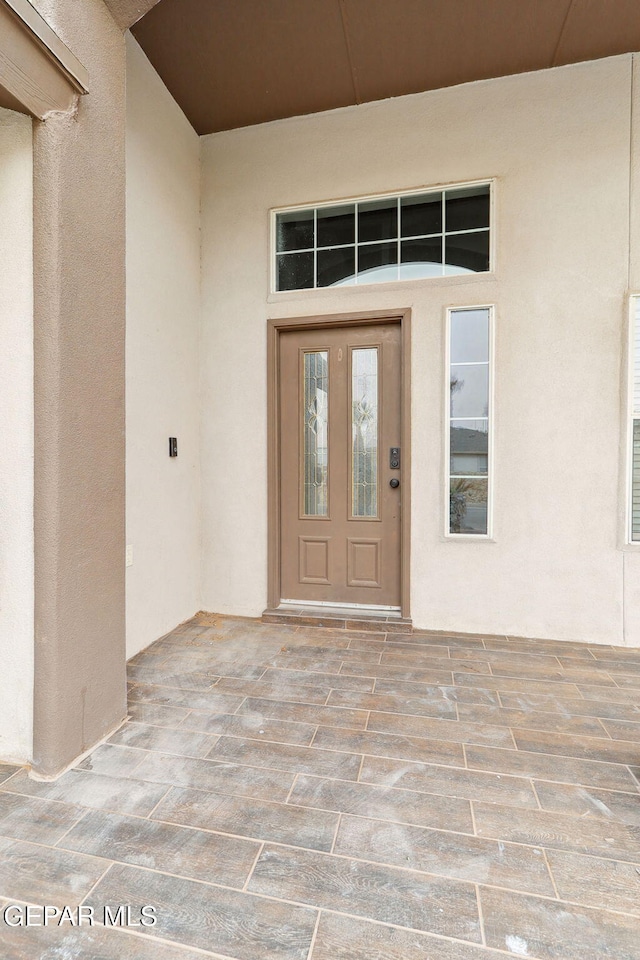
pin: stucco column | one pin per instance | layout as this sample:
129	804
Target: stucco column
79	317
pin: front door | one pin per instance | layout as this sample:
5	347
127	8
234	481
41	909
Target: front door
340	489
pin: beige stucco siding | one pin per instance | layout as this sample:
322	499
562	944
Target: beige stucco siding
79	316
16	417
558	145
163	313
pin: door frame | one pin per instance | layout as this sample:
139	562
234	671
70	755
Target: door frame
277	326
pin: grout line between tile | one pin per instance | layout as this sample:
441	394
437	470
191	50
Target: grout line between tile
10	777
437	937
602	724
553	879
72	827
535	793
161	800
473	817
152	938
316	727
295	780
480	914
127	931
315	934
449	879
253	866
633	777
444	766
335	835
110	864
513	739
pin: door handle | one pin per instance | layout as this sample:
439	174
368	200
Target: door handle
394	483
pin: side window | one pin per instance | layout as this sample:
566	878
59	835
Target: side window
634	425
469	421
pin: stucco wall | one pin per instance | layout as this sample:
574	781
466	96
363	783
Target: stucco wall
16	417
162	345
558	144
79	314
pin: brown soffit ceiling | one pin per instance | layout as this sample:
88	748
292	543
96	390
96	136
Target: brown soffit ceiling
232	63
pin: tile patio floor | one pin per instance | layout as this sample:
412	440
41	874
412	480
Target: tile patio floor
295	793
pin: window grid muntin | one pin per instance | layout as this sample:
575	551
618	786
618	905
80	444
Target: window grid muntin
488	478
368	243
446	269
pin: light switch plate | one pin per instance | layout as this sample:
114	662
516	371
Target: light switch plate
128	555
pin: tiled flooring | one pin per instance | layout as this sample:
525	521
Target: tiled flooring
294	793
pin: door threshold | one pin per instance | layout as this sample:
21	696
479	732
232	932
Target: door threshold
366	609
351	617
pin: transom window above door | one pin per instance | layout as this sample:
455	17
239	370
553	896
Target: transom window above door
410	236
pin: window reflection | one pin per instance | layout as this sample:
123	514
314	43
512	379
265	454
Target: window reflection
421	216
336	266
469	386
468	506
336	225
373	256
295	271
434	234
469	381
377	220
469	336
467	252
294	231
469	447
467	208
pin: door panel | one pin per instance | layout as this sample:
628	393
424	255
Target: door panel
339	416
364	563
314	559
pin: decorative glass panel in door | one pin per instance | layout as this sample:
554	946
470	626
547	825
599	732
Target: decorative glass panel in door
340	489
364	430
316	420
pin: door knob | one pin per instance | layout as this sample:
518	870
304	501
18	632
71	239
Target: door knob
394	483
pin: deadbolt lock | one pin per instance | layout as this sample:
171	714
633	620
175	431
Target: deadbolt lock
394	458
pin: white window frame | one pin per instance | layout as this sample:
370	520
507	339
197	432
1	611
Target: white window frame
365	198
634	306
489	535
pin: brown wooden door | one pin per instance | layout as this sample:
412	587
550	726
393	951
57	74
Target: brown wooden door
339	419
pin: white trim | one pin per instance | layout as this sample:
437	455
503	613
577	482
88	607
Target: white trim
365	198
75	72
473	537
